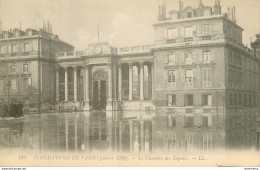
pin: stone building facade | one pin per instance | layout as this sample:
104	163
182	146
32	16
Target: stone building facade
27	66
197	63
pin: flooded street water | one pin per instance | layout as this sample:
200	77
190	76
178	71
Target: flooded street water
130	132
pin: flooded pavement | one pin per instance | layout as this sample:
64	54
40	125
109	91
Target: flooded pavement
134	132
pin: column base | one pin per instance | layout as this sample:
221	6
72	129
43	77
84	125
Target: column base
86	106
109	105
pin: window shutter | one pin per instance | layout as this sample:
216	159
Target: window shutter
209	100
194	75
165	76
182	31
176	75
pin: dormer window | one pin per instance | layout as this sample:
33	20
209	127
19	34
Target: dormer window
207	12
30	33
6	35
189	14
17	34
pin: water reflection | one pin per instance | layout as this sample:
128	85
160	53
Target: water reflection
131	132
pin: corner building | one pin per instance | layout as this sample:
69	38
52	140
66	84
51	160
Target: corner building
197	64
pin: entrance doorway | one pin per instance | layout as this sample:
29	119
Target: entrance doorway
100	90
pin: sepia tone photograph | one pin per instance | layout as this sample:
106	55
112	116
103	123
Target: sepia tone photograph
129	83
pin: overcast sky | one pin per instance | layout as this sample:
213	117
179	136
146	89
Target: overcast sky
121	22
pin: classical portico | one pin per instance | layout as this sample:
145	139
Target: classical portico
101	81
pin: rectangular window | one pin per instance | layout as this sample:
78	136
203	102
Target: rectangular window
13	48
27	83
207	100
3	49
14	85
188	31
207	56
189	78
189	14
207	77
205	121
171	100
188	100
172	33
171	76
188	121
171	58
26	47
206	29
13	68
2	86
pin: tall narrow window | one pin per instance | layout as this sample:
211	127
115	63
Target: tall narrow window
207	56
207	100
206	29
207	77
13	68
13	48
171	76
14	85
188	100
26	47
171	100
189	78
25	67
2	85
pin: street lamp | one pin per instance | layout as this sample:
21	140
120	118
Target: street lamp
8	88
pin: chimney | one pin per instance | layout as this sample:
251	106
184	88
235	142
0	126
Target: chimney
235	20
48	26
180	5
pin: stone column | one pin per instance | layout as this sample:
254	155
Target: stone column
109	84
86	89
120	135
130	81
57	84
141	81
142	135
66	84
66	133
131	135
75	85
109	99
119	82
76	133
152	75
